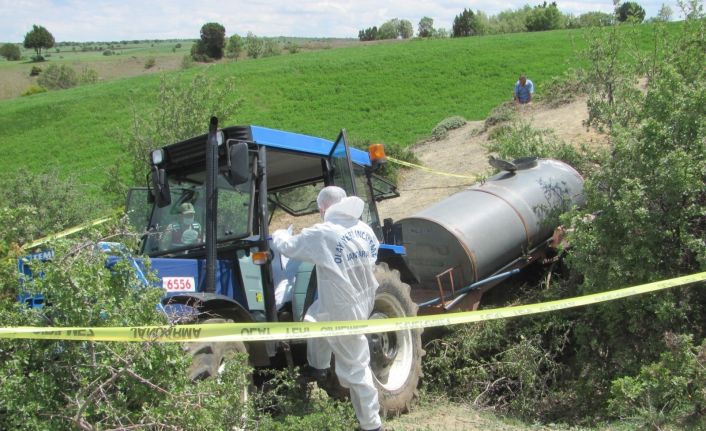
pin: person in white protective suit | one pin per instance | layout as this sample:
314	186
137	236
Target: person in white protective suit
344	250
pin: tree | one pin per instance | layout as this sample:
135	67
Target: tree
38	38
370	33
405	29
630	11
426	27
254	45
10	51
544	17
465	24
235	46
213	38
389	30
595	19
665	13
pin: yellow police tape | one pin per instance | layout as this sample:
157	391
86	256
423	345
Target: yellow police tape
288	331
424	168
69	231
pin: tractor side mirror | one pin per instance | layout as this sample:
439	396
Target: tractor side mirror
160	187
238	166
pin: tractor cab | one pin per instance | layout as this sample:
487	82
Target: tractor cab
196	230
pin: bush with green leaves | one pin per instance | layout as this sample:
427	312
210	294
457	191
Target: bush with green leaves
520	139
254	45
508	365
10	52
500	114
62	385
187	62
181	110
271	48
88	76
150	62
651	201
234	46
58	77
35	71
57	202
33	89
563	89
441	130
668	392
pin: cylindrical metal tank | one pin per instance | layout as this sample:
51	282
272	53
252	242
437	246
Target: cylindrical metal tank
484	228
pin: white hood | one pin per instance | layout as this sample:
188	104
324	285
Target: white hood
351	206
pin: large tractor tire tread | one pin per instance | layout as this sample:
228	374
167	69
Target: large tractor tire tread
393	299
207	358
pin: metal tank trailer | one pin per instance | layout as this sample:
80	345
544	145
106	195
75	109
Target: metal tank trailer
462	246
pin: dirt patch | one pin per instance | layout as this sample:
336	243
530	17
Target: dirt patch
463	153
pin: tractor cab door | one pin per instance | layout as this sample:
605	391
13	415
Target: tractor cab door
341	167
138	208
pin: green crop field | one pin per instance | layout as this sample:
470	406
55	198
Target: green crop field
393	93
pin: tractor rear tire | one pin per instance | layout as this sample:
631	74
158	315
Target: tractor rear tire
395	357
208	360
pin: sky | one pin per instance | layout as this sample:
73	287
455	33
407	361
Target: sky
115	20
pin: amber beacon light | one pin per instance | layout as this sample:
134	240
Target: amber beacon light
377	154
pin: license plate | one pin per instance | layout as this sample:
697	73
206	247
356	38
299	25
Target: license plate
178	284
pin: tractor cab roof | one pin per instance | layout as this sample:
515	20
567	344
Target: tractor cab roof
292	157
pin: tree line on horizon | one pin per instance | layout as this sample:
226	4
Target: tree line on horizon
542	17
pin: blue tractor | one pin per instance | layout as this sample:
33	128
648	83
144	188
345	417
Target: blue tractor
207	210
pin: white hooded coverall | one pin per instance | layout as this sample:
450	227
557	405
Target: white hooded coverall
344	250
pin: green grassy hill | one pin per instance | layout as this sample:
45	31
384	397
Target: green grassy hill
392	93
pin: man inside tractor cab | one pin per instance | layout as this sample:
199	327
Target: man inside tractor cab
344	250
186	231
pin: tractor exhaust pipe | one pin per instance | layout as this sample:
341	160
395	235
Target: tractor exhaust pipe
211	204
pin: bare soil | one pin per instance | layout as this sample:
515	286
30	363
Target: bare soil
463	153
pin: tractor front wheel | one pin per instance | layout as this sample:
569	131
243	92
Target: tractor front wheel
209	360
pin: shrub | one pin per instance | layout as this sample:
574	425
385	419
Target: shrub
234	47
254	45
88	76
521	140
502	364
33	89
58	385
187	62
441	130
181	110
58	77
150	62
562	89
177	46
36	70
10	51
271	48
667	393
293	48
108	52
500	114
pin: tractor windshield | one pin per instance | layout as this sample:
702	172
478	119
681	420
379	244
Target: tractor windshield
180	225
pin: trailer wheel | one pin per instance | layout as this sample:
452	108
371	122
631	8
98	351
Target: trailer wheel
208	360
395	357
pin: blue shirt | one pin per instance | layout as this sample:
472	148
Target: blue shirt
523	92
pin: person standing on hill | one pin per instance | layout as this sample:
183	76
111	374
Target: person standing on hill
524	88
344	250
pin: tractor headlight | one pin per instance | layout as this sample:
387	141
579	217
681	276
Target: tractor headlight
157	157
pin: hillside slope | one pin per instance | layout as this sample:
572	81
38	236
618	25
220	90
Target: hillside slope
392	93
